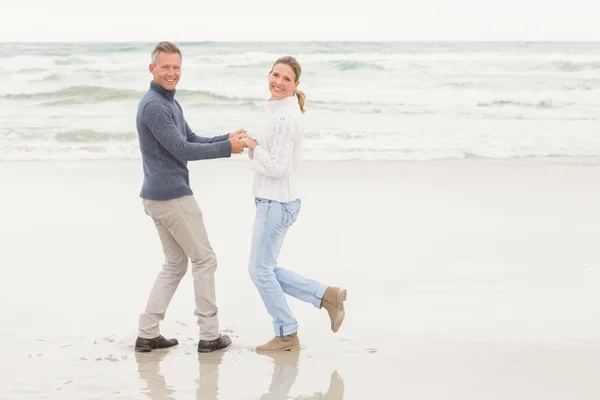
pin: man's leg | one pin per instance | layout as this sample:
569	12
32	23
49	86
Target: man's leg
167	281
187	227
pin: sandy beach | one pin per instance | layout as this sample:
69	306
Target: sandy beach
467	279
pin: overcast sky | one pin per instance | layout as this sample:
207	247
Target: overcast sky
198	20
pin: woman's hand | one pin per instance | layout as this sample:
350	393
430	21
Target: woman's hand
251	143
241	133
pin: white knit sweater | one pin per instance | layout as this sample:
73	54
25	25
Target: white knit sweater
277	157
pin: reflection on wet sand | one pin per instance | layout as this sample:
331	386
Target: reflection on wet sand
285	371
208	375
148	366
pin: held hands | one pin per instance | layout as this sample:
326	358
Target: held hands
241	133
240	140
250	143
236	139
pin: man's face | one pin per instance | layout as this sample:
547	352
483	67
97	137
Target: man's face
166	70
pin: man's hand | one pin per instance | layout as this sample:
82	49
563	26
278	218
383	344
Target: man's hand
240	133
237	145
250	143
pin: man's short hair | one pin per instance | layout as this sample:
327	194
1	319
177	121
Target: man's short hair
164	47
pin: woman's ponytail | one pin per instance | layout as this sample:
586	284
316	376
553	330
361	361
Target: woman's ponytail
301	98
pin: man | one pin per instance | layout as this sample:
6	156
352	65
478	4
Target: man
167	143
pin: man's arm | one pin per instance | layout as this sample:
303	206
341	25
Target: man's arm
159	120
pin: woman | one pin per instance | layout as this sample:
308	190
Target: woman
275	155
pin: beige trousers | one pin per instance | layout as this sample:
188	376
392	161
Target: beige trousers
182	233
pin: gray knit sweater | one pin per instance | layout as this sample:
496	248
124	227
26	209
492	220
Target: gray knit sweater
167	143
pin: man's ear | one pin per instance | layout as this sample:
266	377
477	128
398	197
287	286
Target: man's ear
151	68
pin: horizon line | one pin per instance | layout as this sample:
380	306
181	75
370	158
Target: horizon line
318	41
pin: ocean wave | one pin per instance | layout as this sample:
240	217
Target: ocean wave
90	135
371	108
58	138
80	93
491	116
406	101
461	85
543	104
52	77
191	94
350	65
71	60
572	66
94	94
258	64
31	70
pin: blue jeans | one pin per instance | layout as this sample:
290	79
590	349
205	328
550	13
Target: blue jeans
272	221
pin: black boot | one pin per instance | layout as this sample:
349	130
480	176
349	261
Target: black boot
145	345
206	346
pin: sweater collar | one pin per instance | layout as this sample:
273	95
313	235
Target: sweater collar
273	105
167	94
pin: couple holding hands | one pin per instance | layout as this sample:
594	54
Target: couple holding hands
167	143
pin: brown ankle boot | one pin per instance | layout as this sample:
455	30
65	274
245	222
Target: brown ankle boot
281	343
333	302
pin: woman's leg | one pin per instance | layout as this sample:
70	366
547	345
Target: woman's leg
300	287
267	239
318	294
310	290
292	283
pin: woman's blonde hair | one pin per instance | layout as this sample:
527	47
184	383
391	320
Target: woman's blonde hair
295	66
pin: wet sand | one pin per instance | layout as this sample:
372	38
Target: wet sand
467	280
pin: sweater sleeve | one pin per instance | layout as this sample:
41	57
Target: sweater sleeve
159	121
282	139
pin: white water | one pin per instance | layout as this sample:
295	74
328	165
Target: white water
365	100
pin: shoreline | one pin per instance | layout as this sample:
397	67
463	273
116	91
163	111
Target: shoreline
561	160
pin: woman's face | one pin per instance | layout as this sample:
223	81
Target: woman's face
282	81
